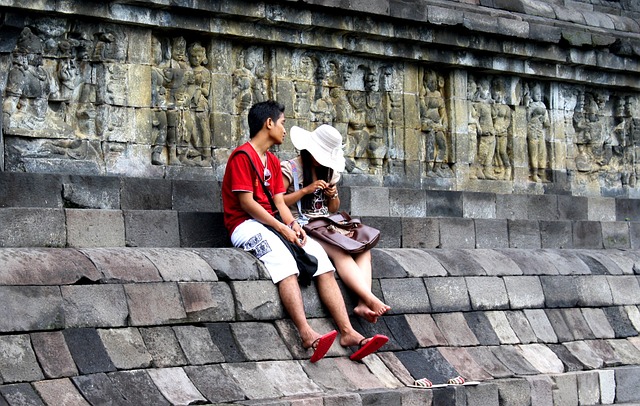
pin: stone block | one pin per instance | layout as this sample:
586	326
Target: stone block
619	321
95	306
501	326
207	301
520	325
52	390
587	234
542	207
29	308
489	362
572	208
634	234
395	295
560	291
154	303
425	233
541	390
444	204
407	203
457	233
175	386
53	354
198	229
598	323
479	205
197	345
223	338
448	294
480	324
577	324
624	289
256	300
601	209
88	351
491	233
495	263
390	230
233	264
95	228
24	190
458	262
627	210
177	264
446	16
32	227
464	363
560	325
18	361
164	347
584	354
370	201
122	264
387	263
214	383
531	264
403	336
19	394
126	348
513	392
425	330
455	329
253	381
565	391
195	196
541	325
615	235
556	234
593	290
91	192
607	386
524	234
138	387
524	292
512	207
627	383
487	293
151	228
146	194
542	358
513	359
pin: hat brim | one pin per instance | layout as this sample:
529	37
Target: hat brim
303	140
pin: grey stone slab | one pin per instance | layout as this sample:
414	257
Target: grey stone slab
406	295
407	203
203	230
18	361
122	264
444	204
288	377
403	336
390	230
571	363
501	326
482	328
520	325
260	341
207	301
457	233
154	303
175	386
616	235
565	391
514	392
458	262
30	227
464	363
556	234
542	207
164	347
327	375
492	233
53	354
421	232
529	262
524	292
560	291
541	390
598	322
233	263
151	228
524	234
588	387
511	206
214	383
585	354
138	387
628	353
606	260
541	325
625	260
20	394
627	210
177	264
593	291
30	190
427	363
627	383
224	339
31	308
487	293
126	348
146	194
634	234
601	209
478	205
196	195
88	351
567	262
559	324
595	266
448	294
577	324
53	390
607	386
513	359
605	351
587	234
91	192
541	358
625	290
256	300
252	380
94	228
573	207
425	330
362	198
484	357
495	263
619	321
45	266
401	262
381	397
455	329
95	306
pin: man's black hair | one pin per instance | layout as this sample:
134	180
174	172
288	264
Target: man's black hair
260	112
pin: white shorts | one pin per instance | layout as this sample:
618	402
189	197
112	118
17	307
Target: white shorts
252	236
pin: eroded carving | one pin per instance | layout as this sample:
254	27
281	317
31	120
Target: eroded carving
537	127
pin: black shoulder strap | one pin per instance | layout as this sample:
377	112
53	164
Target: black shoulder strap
264	188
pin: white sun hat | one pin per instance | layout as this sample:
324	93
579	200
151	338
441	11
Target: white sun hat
324	144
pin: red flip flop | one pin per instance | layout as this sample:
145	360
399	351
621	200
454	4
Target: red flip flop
372	346
322	345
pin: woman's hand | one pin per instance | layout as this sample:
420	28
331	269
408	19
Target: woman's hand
318	184
331	191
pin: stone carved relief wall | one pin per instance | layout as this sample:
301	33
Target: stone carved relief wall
106	99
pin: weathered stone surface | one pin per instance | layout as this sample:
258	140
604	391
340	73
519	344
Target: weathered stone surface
88	351
41	266
59	390
587	234
151	228
17	359
137	387
412	262
624	289
361	199
207	302
175	386
455	329
598	323
30	227
95	306
53	354
457	233
425	330
524	292
259	341
448	294
457	262
541	325
126	348
163	345
95	228
395	295
256	300
122	264
541	358
492	233
31	308
555	234
154	303
422	233
214	383
487	293
407	203
520	325
180	265
524	234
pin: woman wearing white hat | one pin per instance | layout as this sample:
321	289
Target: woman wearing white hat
317	170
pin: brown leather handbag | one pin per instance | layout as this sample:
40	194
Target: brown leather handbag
343	231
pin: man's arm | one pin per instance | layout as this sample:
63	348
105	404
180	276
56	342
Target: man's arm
256	211
287	217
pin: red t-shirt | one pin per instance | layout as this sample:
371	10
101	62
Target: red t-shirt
239	176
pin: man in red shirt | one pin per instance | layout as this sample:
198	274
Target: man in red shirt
246	212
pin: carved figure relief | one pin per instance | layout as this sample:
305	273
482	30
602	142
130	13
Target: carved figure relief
537	127
434	126
487	141
501	115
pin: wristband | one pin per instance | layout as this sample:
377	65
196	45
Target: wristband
334	197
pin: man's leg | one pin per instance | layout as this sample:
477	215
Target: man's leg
291	298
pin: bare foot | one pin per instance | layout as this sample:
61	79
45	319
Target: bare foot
352	338
363	311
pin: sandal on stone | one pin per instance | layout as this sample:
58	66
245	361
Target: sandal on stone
458	380
423	383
